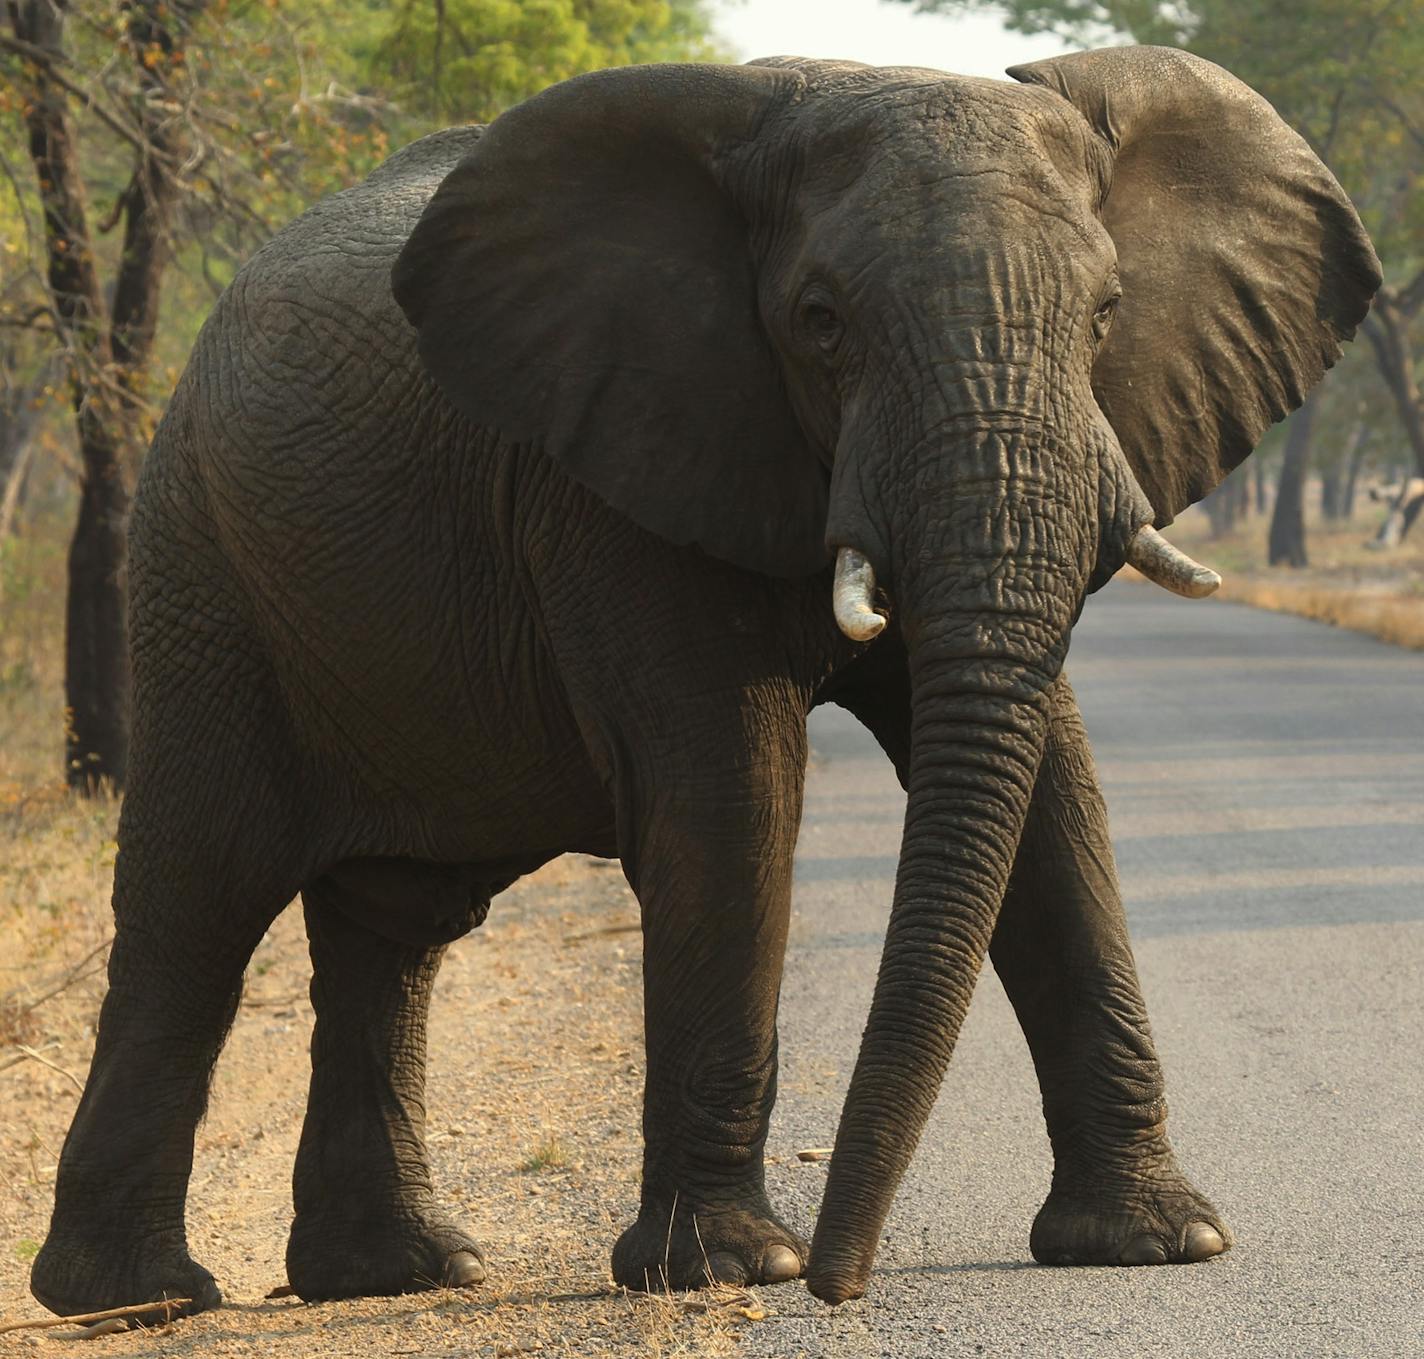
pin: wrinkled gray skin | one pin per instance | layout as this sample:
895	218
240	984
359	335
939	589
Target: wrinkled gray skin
411	617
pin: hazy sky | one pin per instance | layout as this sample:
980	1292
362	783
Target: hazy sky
875	31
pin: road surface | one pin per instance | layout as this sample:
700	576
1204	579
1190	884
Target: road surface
1265	780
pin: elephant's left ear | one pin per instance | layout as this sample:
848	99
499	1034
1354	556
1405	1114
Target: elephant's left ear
1243	263
584	281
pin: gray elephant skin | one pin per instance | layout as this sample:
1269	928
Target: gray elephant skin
495	516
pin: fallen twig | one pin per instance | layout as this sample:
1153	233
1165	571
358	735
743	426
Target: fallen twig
726	1299
814	1154
53	1066
631	928
273	1002
70	978
168	1306
15	1061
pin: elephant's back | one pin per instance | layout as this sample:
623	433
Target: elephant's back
305	386
306	357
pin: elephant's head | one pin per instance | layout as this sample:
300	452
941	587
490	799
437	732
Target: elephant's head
984	335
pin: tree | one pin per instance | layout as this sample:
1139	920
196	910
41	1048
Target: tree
1286	537
465	60
1343	73
143	97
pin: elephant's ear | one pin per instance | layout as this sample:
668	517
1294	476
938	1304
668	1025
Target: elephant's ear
1243	263
583	280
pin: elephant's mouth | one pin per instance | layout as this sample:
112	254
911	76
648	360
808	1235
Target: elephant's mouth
1149	552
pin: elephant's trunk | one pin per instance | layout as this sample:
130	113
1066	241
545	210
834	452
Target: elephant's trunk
977	736
986	627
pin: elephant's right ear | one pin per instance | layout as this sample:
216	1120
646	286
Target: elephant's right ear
583	280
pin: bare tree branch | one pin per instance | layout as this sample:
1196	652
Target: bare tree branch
47	62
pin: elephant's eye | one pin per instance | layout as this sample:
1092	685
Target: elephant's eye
1103	317
821	324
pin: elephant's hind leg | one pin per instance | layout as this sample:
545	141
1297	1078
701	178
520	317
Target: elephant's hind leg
366	1219
1061	949
209	854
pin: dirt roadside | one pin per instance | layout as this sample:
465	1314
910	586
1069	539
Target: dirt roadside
534	1093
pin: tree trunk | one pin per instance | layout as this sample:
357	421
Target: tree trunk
1359	442
107	356
96	636
96	642
12	485
1331	494
17	450
1387	325
1287	536
1241	490
1229	503
1404	508
1412	509
1337	486
1258	473
1220	507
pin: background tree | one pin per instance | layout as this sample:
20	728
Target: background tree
1346	75
112	102
465	60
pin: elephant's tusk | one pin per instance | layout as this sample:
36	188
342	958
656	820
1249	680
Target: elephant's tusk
854	589
1169	566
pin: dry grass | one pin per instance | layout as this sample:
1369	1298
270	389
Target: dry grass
32	576
56	868
549	1154
1395	618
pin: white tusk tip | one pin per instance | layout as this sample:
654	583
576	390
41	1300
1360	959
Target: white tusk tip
1170	567
854	590
1203	583
861	627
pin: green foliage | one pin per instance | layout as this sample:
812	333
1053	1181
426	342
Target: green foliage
466	60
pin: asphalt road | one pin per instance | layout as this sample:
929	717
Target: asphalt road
1265	778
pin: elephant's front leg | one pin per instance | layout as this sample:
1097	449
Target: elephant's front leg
709	857
1061	949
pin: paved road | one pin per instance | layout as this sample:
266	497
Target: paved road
1265	777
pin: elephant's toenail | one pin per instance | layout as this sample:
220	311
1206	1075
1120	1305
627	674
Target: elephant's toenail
1202	1242
780	1264
1143	1250
463	1269
724	1267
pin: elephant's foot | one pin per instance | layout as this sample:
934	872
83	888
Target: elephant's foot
1155	1218
685	1245
356	1256
75	1274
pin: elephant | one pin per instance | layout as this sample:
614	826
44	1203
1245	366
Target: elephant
526	497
